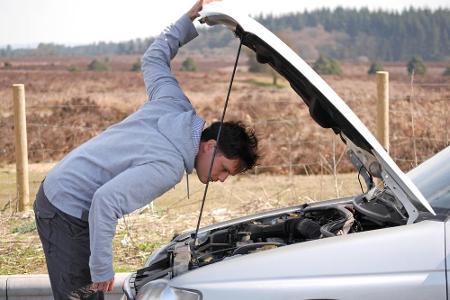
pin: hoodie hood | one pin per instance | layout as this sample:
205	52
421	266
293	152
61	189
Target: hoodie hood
177	128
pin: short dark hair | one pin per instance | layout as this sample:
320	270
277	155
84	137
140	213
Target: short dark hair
236	141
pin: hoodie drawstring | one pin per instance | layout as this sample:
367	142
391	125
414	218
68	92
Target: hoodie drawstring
187	184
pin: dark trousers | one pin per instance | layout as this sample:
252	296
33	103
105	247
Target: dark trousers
65	240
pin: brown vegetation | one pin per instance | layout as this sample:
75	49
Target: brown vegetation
65	108
66	105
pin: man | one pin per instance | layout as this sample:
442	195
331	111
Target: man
126	167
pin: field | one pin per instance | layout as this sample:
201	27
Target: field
139	234
302	162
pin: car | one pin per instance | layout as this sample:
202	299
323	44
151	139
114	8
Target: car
390	242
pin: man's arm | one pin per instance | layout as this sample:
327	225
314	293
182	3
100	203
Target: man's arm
108	202
158	78
128	191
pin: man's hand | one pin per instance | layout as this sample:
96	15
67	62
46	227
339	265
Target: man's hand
198	6
103	286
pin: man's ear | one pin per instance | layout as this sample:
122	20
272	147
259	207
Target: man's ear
210	145
207	146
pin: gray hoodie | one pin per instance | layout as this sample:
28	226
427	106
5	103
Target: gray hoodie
133	162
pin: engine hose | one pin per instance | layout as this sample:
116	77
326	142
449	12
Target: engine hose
343	223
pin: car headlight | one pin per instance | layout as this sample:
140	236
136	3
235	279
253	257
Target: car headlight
160	290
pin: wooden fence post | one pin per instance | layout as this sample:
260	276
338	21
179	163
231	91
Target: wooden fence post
383	109
20	128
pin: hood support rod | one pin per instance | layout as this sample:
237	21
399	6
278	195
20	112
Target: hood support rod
215	148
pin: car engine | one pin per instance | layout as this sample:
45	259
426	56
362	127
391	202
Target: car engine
373	210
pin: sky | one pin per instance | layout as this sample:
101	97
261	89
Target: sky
25	23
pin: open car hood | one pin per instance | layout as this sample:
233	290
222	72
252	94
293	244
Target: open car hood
325	106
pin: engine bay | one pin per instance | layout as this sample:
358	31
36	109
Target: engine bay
259	235
373	210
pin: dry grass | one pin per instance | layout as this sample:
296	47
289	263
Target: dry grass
288	137
143	231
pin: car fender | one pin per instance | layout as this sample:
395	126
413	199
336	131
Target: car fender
404	262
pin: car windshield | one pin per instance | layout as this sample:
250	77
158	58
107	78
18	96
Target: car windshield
432	178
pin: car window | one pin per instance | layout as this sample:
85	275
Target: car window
432	177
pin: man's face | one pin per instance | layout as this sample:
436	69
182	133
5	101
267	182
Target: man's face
222	167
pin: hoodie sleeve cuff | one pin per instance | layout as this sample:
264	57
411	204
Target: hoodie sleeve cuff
187	29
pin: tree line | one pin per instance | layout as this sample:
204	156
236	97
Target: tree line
386	35
214	37
135	46
378	35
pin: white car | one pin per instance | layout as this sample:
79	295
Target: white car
387	243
